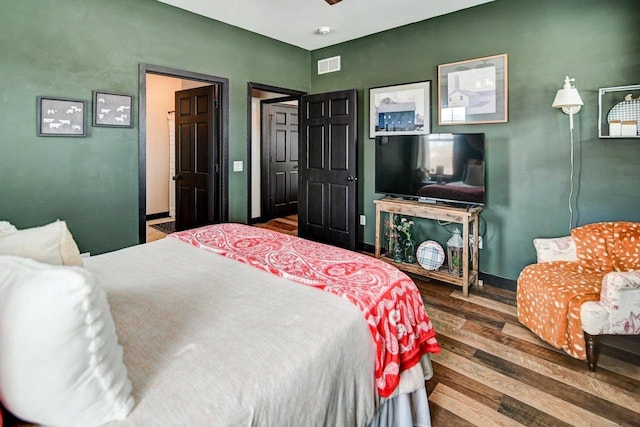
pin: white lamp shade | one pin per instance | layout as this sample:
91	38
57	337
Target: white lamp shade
567	98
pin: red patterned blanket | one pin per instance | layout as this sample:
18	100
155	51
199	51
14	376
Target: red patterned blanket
388	298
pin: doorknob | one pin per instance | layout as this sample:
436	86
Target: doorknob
351	178
176	177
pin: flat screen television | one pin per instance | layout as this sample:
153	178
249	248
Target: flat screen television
448	167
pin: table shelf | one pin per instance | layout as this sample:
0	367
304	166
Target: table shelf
468	217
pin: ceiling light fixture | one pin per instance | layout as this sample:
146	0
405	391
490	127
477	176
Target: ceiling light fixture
323	31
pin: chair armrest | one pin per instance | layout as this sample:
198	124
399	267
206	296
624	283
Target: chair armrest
618	311
555	249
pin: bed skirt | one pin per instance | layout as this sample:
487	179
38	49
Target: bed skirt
404	410
409	406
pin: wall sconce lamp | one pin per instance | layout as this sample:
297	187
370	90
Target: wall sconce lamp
568	99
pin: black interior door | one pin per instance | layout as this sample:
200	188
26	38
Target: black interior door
280	176
196	156
328	161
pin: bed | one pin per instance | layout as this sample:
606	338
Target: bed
236	325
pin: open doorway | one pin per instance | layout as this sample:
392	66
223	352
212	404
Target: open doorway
160	128
326	165
155	158
269	189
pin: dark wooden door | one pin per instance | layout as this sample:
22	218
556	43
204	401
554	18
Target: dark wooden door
196	161
328	141
280	176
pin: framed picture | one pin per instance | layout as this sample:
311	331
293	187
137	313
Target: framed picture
400	110
61	117
112	109
473	91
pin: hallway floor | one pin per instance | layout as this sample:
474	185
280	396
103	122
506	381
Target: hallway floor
152	233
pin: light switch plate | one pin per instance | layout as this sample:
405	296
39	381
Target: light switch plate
237	165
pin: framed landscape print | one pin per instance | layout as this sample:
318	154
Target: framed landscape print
400	110
112	109
61	117
473	91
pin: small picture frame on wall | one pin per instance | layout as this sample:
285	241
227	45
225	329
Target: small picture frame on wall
473	91
61	117
112	109
403	109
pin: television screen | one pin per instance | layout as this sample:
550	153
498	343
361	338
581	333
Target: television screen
436	167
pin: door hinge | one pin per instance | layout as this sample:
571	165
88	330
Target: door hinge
216	103
217	168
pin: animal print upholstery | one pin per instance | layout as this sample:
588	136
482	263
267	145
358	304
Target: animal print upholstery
550	295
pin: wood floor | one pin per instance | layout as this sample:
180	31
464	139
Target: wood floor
287	225
152	233
493	371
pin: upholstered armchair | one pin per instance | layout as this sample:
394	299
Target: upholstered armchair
583	286
616	313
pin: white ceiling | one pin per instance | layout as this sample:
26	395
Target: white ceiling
296	21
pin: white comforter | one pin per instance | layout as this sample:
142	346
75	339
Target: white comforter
209	341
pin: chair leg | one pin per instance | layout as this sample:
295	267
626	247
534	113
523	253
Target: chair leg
592	350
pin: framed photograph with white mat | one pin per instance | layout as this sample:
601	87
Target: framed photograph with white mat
403	109
473	91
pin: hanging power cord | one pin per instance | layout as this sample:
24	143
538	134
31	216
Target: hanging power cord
571	184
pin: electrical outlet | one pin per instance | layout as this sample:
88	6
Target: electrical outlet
479	241
363	220
237	165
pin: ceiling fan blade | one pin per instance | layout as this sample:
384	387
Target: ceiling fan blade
333	1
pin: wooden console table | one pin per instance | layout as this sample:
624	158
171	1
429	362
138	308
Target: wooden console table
468	217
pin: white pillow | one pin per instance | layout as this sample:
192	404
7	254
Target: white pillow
60	361
555	249
52	243
6	228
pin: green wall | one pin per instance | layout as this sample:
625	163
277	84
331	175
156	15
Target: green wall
67	48
528	158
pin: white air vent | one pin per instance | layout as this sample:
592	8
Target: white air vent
329	65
